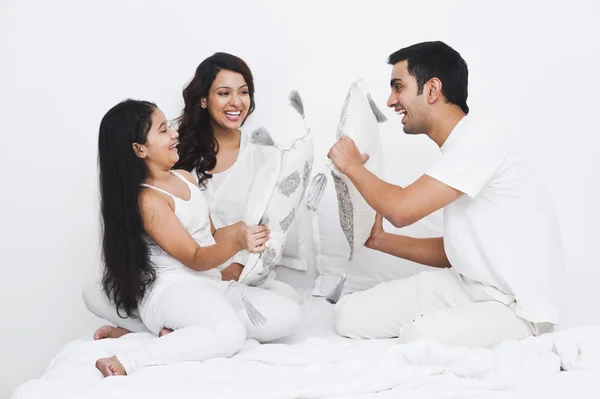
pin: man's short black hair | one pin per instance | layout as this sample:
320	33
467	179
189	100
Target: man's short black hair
437	60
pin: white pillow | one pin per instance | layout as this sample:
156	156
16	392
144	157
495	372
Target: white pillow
368	267
406	157
359	121
295	248
275	202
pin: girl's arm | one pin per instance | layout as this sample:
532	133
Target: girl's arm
163	226
218	234
223	232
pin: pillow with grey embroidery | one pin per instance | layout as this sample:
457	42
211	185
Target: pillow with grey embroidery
276	194
359	121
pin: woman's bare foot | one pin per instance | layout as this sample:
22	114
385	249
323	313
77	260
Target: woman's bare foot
110	366
110	332
164	331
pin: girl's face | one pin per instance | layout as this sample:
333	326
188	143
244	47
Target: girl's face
228	100
160	148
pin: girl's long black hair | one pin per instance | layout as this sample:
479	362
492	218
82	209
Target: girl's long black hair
197	145
128	271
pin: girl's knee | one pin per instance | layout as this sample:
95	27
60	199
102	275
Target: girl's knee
94	298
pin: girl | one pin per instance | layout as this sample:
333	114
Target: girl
161	250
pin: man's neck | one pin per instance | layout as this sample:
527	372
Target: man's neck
445	120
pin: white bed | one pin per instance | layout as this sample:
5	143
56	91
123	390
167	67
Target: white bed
316	363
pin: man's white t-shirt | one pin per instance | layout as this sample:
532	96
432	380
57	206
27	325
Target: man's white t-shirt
503	232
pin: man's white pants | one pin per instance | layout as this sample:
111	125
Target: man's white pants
440	305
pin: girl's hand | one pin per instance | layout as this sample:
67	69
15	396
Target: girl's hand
252	238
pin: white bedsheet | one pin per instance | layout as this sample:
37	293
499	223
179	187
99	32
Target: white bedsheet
316	363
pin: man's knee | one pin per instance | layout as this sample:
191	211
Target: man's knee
378	312
482	324
416	330
345	320
359	316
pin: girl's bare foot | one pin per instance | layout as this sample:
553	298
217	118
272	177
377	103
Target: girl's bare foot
165	331
110	332
110	366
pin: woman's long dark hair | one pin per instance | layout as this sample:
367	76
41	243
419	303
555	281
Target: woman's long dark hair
197	145
128	271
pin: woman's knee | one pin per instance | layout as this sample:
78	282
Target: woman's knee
291	312
282	320
282	289
233	335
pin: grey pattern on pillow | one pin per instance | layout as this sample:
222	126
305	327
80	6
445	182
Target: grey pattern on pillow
268	257
264	219
260	278
269	263
287	221
289	184
344	116
346	210
306	174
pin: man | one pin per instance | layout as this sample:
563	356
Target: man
500	258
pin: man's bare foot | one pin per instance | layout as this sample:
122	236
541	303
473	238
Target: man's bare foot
110	366
164	331
110	332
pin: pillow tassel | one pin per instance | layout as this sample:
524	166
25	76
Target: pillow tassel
256	318
336	293
379	116
296	103
261	137
316	191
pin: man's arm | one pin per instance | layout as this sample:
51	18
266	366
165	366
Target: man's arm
426	251
401	206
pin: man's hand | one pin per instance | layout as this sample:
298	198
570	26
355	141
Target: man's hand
345	154
376	232
232	272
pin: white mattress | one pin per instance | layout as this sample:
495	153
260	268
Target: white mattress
316	363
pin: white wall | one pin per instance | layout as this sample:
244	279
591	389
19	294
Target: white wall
64	63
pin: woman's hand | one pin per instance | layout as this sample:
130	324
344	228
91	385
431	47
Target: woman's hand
232	272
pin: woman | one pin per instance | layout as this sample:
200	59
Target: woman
161	250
